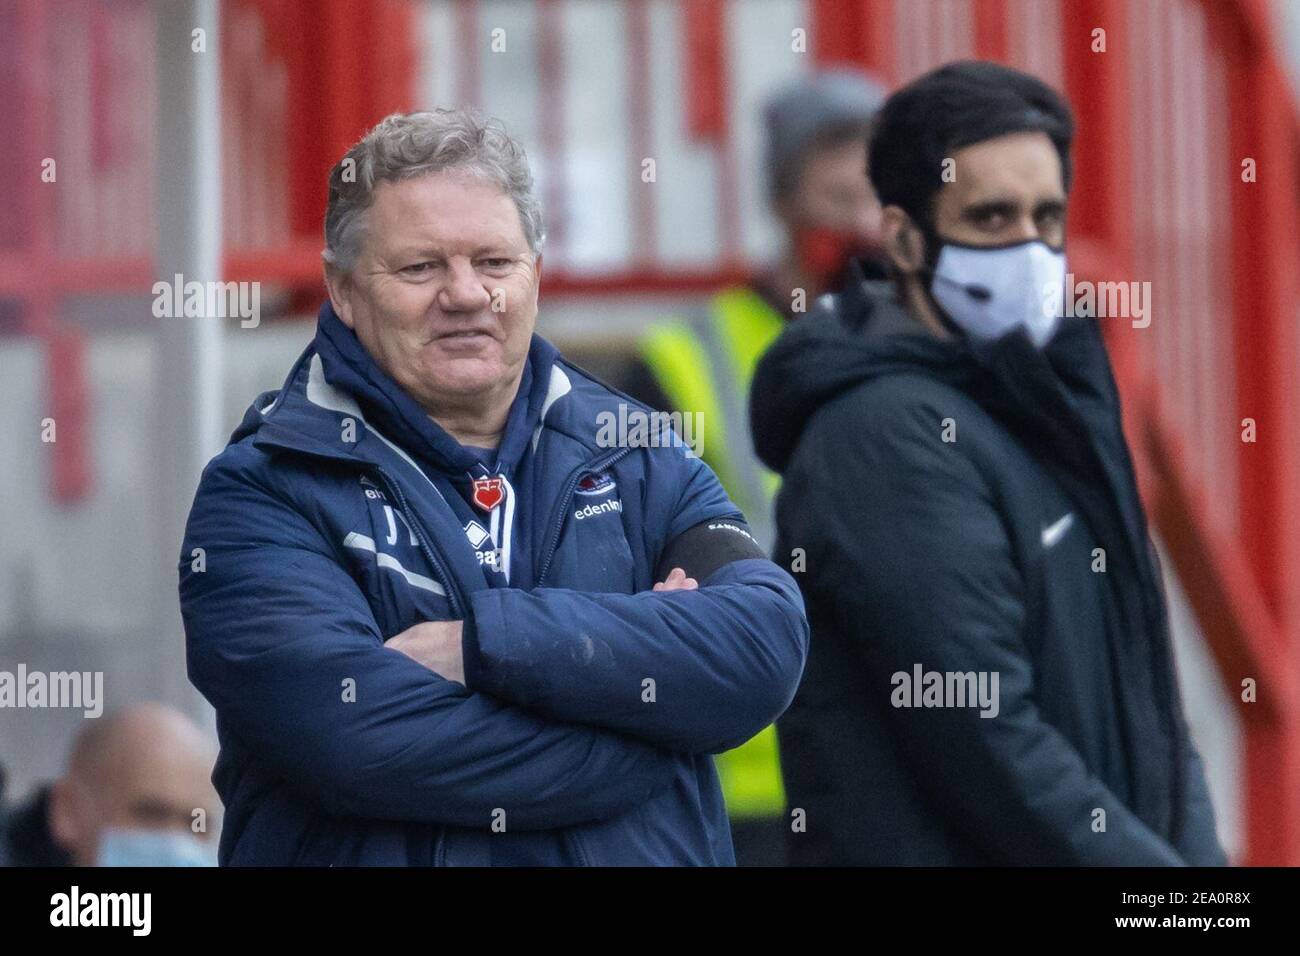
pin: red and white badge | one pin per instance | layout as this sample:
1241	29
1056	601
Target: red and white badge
488	493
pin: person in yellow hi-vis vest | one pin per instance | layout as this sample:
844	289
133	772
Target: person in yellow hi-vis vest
816	155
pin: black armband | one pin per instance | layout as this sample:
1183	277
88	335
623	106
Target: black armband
702	549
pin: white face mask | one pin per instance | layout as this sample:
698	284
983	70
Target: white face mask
153	848
989	292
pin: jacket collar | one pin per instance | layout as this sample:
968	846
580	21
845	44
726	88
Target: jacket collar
335	379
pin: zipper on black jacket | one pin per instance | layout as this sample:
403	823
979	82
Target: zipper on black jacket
562	511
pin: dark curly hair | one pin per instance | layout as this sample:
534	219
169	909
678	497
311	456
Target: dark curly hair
957	105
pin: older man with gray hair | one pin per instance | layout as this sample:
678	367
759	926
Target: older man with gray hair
442	617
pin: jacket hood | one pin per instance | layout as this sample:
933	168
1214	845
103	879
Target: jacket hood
847	339
347	365
865	332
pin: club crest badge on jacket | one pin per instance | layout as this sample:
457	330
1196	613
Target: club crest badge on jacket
488	493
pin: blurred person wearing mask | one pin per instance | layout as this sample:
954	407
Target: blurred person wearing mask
442	620
815	163
129	797
960	501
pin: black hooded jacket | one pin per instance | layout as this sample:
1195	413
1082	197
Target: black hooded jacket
971	510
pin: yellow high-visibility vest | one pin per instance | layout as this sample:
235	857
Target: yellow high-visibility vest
705	364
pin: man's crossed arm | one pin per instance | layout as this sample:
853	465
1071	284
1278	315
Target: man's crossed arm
437	644
702	662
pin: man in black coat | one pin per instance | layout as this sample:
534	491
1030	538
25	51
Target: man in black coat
991	678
